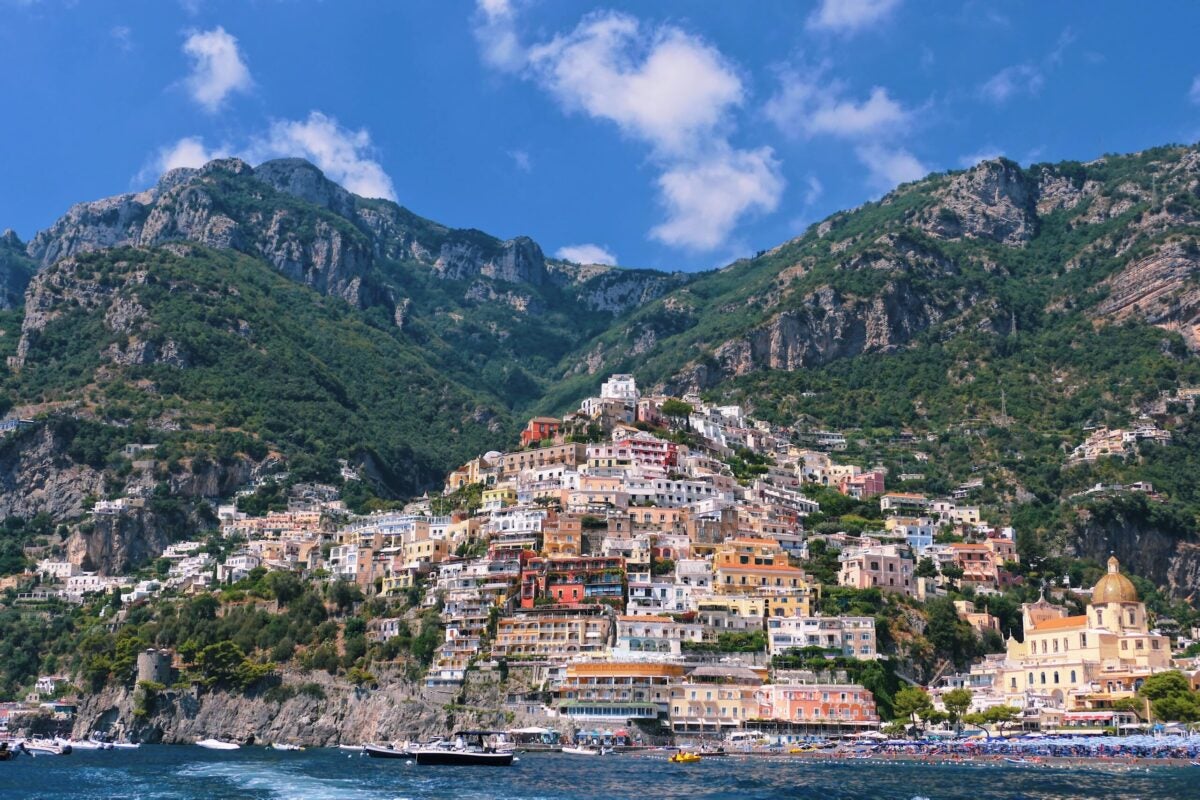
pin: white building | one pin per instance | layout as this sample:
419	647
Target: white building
620	387
852	637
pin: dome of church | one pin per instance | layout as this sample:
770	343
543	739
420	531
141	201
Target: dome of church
1114	587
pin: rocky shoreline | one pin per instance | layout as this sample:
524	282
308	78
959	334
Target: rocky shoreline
312	709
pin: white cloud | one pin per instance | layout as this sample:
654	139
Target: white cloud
808	103
122	37
496	33
890	167
217	68
705	199
663	86
189	151
814	191
1194	93
987	153
587	254
344	155
849	16
521	160
1011	81
658	85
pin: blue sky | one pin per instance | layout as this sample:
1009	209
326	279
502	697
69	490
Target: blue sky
675	135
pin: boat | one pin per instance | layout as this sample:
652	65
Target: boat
385	751
584	750
85	744
467	748
357	747
45	747
684	758
126	745
286	747
217	744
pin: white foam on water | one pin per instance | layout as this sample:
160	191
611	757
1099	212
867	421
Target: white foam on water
285	784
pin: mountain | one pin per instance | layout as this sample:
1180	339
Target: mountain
243	317
16	268
497	313
996	249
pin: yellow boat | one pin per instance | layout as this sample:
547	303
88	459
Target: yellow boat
808	748
684	758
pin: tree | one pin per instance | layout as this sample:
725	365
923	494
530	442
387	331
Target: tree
1171	697
926	568
957	701
1001	716
676	409
910	703
345	594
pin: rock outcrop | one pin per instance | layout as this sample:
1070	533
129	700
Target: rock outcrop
994	200
313	709
16	269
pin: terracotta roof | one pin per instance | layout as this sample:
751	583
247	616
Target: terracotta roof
1064	622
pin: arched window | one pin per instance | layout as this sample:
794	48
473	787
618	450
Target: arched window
1073	680
1056	677
1043	679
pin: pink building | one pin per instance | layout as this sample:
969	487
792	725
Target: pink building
882	566
863	485
823	704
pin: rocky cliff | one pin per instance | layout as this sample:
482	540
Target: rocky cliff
15	270
310	708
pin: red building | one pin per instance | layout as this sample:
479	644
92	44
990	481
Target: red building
572	580
538	429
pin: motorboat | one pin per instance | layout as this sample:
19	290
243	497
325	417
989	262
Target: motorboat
285	747
217	744
386	750
685	758
85	744
46	747
467	748
126	745
584	750
355	747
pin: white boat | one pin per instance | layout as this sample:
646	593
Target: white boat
217	744
126	745
288	747
357	747
84	744
46	747
584	750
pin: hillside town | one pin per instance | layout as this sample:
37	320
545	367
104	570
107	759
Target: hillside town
641	562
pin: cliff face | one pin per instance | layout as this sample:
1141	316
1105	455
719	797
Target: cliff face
328	712
939	256
1163	553
37	475
223	205
15	270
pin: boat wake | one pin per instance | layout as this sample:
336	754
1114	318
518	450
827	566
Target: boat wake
285	784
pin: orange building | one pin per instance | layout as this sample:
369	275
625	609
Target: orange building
539	429
746	564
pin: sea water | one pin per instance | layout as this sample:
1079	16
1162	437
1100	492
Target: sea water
186	772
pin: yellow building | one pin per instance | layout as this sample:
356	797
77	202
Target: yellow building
1085	661
499	497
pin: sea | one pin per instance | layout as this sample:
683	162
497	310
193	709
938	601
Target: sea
186	772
